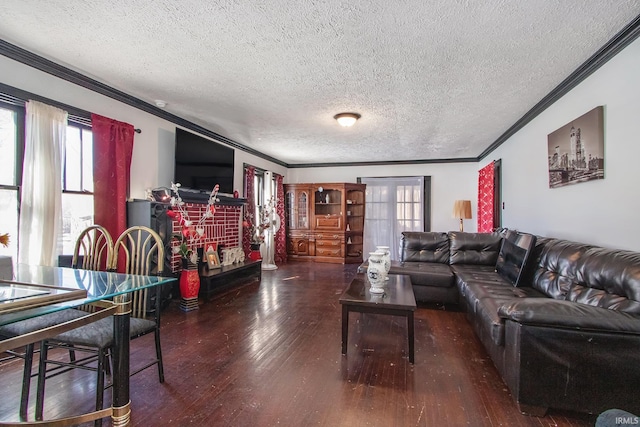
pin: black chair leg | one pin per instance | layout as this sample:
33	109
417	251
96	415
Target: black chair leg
42	374
100	384
159	356
26	381
107	362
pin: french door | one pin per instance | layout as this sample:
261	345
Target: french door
394	205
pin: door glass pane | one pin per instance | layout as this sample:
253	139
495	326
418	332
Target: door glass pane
7	146
393	205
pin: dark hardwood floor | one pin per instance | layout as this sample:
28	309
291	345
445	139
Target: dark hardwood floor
269	354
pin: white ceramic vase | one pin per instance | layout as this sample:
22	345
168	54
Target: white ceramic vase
376	273
386	258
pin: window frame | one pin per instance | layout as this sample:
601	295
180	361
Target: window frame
82	128
14	100
20	137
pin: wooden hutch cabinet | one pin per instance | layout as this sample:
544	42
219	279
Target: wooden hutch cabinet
325	222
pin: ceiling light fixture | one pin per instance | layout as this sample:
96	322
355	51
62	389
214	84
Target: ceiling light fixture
347	119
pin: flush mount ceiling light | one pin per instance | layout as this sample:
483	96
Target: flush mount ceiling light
347	119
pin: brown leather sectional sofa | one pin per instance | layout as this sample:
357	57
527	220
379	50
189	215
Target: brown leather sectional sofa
559	319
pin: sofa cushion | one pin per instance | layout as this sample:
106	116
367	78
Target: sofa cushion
607	278
513	255
424	247
556	269
484	299
474	248
425	273
475	291
569	315
467	272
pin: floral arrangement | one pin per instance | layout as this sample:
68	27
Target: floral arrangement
267	212
192	231
256	231
4	240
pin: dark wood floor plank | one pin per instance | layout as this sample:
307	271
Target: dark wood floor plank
269	354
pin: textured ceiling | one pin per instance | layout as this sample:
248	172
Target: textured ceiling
432	79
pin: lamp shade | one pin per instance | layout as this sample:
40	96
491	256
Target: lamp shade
462	209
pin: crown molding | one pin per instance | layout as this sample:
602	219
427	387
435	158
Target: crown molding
38	62
383	163
621	40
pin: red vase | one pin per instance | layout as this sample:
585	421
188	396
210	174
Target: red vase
254	253
189	283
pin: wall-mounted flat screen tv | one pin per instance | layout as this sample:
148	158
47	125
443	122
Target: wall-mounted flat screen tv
201	163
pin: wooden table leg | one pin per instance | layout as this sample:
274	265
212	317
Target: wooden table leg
345	327
411	337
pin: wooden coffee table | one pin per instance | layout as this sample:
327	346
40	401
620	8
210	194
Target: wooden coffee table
398	300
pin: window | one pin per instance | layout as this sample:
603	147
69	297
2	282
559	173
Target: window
77	179
77	185
394	205
259	190
11	132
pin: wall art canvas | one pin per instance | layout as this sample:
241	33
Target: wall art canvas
576	150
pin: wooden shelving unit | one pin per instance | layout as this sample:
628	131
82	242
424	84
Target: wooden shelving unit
325	222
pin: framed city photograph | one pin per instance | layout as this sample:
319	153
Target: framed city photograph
576	150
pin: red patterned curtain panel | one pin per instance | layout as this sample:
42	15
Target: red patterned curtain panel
249	207
485	199
280	255
112	150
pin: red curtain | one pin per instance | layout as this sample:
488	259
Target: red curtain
112	149
485	199
280	255
249	207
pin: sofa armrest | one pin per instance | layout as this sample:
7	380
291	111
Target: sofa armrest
569	315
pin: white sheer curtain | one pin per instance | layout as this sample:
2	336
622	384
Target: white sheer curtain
393	205
41	205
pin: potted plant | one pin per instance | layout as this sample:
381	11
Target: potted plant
189	256
256	237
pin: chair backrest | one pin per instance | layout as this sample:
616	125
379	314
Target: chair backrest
143	252
93	250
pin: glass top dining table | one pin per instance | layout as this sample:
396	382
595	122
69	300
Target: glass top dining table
99	285
95	286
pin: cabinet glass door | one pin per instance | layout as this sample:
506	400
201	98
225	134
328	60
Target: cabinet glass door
303	210
290	209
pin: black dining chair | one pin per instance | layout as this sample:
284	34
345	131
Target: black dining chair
93	251
142	252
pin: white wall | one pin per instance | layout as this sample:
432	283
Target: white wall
603	212
153	150
449	182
